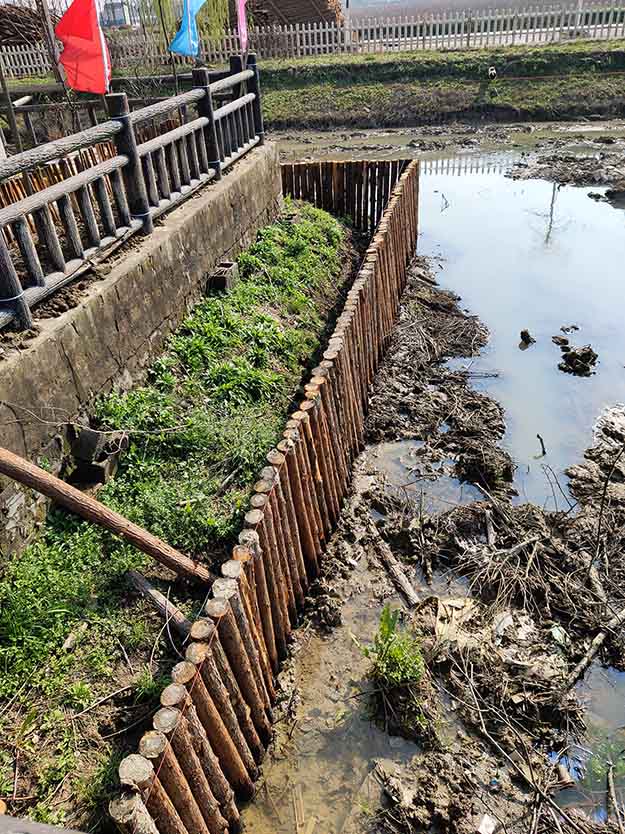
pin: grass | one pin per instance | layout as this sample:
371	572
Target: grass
213	405
430	64
395	655
412	103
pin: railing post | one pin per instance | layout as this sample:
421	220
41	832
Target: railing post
126	145
201	79
236	66
254	87
11	291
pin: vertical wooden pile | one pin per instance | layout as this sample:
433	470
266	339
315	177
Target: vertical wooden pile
210	735
359	190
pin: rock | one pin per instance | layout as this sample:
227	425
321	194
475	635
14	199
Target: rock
579	361
527	338
560	341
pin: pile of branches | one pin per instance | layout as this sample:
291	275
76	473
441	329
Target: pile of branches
20	25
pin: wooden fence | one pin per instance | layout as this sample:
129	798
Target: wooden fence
87	214
212	731
359	190
447	29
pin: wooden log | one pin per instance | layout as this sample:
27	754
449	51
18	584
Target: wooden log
229	757
220	612
234	569
171	723
267	564
175	696
88	508
394	568
300	507
249	538
166	608
284	507
155	747
137	772
237	720
229	589
130	815
245	556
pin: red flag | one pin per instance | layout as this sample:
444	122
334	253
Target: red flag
85	54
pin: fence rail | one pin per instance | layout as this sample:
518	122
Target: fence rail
90	211
211	734
446	29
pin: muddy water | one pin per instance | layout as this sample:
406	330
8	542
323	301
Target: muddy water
318	780
522	255
529	255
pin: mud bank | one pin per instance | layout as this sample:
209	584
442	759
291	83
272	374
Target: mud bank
514	604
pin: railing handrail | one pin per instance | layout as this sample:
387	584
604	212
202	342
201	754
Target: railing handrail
166	106
35	157
122	194
60	189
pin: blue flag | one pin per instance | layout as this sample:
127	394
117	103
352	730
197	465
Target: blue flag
187	39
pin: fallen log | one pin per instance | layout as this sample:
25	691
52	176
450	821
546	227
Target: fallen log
596	644
169	611
83	505
400	579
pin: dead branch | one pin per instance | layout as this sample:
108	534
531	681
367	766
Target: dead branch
596	644
160	602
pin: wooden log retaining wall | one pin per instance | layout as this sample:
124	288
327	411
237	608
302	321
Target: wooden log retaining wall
358	190
210	735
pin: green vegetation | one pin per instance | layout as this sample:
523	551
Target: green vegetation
397	105
395	654
404	89
427	65
400	697
214	404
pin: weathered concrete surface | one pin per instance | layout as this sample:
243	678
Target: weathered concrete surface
121	324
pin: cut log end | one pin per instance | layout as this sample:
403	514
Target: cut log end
216	608
136	772
166	720
202	630
153	744
183	672
173	695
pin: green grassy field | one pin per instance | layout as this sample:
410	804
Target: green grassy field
542	82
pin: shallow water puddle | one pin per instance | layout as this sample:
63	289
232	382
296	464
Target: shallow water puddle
318	778
430	486
530	255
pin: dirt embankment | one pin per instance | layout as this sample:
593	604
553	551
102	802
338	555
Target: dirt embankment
324	106
514	603
557	81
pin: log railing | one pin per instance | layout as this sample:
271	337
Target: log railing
84	217
210	736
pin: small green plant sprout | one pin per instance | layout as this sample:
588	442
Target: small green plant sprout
395	654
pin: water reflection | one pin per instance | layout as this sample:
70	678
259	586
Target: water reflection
533	256
431	486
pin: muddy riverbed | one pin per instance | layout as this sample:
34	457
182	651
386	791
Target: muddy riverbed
525	725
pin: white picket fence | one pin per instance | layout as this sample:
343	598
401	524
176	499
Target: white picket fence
451	29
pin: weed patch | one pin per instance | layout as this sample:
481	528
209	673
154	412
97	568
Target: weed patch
401	687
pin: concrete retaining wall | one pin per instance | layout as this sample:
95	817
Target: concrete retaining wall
121	324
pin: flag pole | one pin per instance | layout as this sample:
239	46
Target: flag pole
11	111
53	49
